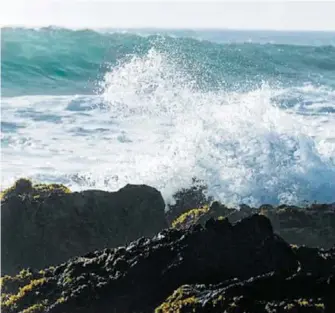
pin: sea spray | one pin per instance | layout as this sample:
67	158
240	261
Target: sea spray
254	122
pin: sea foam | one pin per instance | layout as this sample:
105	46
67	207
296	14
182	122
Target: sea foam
151	124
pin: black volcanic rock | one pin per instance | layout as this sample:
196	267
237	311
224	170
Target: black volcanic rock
138	277
313	226
42	225
213	259
262	294
310	289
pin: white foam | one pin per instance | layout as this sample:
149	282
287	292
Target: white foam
151	125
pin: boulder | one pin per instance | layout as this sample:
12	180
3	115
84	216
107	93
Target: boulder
42	225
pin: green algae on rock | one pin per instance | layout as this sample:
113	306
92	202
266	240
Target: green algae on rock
313	226
25	187
139	276
263	294
190	217
309	289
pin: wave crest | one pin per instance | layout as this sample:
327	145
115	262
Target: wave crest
52	60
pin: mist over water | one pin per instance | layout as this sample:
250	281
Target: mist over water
254	122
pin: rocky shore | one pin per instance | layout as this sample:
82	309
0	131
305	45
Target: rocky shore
96	251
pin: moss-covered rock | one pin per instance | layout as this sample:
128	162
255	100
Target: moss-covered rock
190	217
309	289
313	226
216	210
182	300
47	224
139	276
262	294
24	188
16	289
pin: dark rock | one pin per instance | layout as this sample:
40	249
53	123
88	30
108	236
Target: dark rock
312	226
266	293
47	224
317	261
310	289
187	199
138	277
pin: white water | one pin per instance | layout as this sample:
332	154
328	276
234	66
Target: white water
150	125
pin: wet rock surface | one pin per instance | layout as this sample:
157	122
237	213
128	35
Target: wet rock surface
212	259
187	199
43	225
239	268
313	225
266	293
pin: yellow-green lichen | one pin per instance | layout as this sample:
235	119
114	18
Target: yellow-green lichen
303	302
289	306
60	300
2	280
25	186
36	308
47	188
25	273
67	280
23	291
179	302
218	300
4	297
190	217
22	276
177	306
320	306
10	284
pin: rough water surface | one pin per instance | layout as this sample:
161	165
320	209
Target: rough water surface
253	119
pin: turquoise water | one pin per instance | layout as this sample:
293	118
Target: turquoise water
250	113
60	61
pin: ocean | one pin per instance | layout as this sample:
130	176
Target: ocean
250	114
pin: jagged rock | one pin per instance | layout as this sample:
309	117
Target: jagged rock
43	225
215	210
313	226
320	262
138	277
187	199
191	217
310	289
263	294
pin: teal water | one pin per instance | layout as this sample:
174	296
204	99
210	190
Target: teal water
252	114
61	61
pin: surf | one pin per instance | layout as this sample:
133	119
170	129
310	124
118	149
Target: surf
151	122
